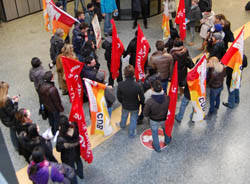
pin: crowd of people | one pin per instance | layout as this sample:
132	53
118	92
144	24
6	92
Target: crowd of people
150	97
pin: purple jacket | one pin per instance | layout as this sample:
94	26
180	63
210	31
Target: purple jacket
42	175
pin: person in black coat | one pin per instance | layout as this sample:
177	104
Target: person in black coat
8	108
139	7
131	50
130	95
56	45
31	139
233	96
107	45
69	146
216	47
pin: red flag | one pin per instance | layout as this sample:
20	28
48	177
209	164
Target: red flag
142	50
117	50
181	19
173	94
72	69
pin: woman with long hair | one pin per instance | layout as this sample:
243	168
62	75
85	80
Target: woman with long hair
8	108
67	51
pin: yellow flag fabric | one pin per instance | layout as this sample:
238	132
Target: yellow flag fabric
100	120
165	21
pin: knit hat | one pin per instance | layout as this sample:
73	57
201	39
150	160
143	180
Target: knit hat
217	36
100	76
218	27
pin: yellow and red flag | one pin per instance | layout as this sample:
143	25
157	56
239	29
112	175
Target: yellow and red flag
196	79
100	120
234	58
55	18
165	21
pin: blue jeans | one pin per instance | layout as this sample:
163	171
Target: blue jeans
133	121
214	97
184	103
107	23
64	3
54	121
164	85
79	56
110	111
78	167
233	97
154	125
76	3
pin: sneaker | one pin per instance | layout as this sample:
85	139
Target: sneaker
118	124
226	105
179	121
158	151
51	65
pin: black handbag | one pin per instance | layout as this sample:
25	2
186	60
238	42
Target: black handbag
43	112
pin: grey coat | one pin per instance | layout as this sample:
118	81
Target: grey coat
194	16
36	75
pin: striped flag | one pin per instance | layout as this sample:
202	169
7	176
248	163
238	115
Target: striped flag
100	120
234	58
165	21
196	79
55	18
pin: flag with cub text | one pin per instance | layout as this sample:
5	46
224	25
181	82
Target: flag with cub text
100	120
196	79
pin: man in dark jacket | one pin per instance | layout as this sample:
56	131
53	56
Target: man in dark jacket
181	54
139	7
107	45
194	16
51	100
131	50
233	96
56	45
130	95
80	36
216	47
156	108
163	63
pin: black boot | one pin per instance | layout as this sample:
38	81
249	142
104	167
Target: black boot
145	22
135	24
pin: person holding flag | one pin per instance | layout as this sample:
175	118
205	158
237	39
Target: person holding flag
235	62
130	95
156	108
113	52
